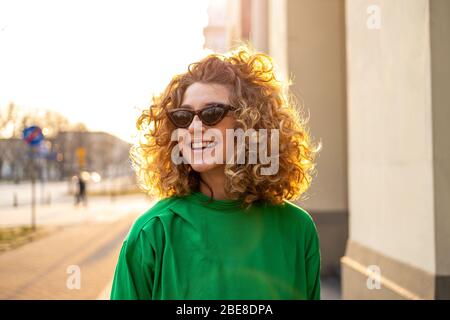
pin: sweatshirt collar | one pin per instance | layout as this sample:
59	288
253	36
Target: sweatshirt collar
206	201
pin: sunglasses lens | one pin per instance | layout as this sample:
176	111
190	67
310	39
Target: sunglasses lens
182	118
212	115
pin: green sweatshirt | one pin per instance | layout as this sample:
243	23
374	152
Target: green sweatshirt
186	248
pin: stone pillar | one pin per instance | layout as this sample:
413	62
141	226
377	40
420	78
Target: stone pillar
307	40
399	152
259	25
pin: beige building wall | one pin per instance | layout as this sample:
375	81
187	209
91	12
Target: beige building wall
398	156
316	60
307	40
215	32
260	24
440	79
278	35
234	22
390	132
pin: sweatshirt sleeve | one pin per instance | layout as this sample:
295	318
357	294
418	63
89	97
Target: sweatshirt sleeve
134	273
313	264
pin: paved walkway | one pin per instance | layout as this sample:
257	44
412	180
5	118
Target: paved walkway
331	288
42	269
88	239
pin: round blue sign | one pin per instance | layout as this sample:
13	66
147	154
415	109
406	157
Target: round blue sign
33	135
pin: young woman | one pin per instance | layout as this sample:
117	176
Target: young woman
223	228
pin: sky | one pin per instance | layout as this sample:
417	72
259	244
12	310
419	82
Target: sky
96	62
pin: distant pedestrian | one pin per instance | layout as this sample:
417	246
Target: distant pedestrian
80	195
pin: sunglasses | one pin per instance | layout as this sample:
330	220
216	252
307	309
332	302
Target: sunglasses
211	115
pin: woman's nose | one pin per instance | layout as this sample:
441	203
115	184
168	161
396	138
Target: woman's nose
196	125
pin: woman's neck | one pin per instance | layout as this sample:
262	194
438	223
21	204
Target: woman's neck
215	179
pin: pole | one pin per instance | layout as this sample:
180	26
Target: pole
33	192
33	137
41	178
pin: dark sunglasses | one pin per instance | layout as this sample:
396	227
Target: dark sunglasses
211	115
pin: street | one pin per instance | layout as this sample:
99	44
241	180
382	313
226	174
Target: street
61	210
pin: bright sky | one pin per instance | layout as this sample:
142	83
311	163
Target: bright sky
97	62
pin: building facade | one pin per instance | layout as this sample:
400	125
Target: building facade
373	75
65	155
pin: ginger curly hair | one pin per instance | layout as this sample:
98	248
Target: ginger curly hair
262	101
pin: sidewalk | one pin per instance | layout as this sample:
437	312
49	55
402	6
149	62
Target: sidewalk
46	268
331	288
87	239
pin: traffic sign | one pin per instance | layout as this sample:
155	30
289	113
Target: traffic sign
33	135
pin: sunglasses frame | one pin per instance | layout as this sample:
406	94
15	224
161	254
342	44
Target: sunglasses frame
198	113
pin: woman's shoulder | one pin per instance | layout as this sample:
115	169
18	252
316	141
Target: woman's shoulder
150	221
296	215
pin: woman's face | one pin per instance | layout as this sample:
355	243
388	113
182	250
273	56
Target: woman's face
197	96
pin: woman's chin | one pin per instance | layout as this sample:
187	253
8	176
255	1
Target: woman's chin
204	167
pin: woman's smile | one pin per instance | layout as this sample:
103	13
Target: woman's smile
202	145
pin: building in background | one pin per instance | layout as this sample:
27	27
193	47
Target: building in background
66	154
373	76
216	31
94	151
229	22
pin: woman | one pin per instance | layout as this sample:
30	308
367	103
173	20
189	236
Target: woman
223	228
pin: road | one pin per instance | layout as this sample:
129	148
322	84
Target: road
56	192
100	208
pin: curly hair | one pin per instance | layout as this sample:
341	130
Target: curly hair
262	101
